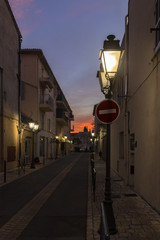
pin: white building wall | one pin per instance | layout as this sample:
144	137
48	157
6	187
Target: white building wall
143	100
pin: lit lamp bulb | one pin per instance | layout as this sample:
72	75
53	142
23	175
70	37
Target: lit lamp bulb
110	61
36	126
31	125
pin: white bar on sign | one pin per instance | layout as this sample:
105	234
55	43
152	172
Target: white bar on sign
106	111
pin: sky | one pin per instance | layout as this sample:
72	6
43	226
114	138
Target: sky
71	34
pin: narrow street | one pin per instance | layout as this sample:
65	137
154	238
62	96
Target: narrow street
50	203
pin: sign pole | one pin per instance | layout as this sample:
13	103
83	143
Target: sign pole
108	111
107	196
108	178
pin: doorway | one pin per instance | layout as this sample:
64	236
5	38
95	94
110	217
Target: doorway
27	154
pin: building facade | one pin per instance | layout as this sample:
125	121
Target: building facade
136	134
82	141
29	93
40	104
64	117
10	44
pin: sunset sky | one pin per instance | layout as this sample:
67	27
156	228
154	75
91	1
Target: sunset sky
70	34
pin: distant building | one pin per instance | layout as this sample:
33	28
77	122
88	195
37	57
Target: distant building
64	116
82	140
100	133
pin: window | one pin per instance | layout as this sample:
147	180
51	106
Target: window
11	153
157	22
132	143
121	145
48	124
42	120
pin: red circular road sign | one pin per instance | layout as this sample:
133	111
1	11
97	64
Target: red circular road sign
107	111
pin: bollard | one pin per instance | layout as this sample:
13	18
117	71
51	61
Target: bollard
94	183
32	164
104	229
91	156
92	163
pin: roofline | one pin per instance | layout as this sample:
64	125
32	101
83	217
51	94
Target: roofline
40	54
13	18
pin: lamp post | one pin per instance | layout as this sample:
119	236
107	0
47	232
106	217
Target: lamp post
93	138
109	56
65	145
34	127
57	145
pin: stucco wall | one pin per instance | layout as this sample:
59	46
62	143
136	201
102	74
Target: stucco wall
9	47
32	70
143	102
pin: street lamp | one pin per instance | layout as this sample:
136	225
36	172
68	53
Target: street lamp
92	134
109	56
104	82
65	145
93	138
34	127
65	137
57	145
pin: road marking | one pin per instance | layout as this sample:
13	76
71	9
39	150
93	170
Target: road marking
107	111
15	226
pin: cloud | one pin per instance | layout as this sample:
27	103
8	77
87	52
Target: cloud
80	91
88	9
20	7
38	11
26	12
79	127
83	121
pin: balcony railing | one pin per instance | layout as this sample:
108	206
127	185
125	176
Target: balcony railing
71	116
46	103
61	117
46	81
61	101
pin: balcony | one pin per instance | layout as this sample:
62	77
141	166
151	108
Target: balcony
61	102
46	81
61	117
46	103
71	116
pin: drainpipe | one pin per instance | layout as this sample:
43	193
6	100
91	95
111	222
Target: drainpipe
2	164
19	104
127	114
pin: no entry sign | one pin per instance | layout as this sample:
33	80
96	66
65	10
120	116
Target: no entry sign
107	111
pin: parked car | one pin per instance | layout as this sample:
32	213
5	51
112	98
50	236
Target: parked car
82	149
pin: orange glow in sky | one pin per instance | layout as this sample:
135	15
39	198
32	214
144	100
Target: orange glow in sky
79	127
58	29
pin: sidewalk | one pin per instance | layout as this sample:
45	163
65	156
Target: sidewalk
135	219
16	173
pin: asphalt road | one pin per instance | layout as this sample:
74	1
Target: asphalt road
61	209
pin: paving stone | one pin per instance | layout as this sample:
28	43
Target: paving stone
135	219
